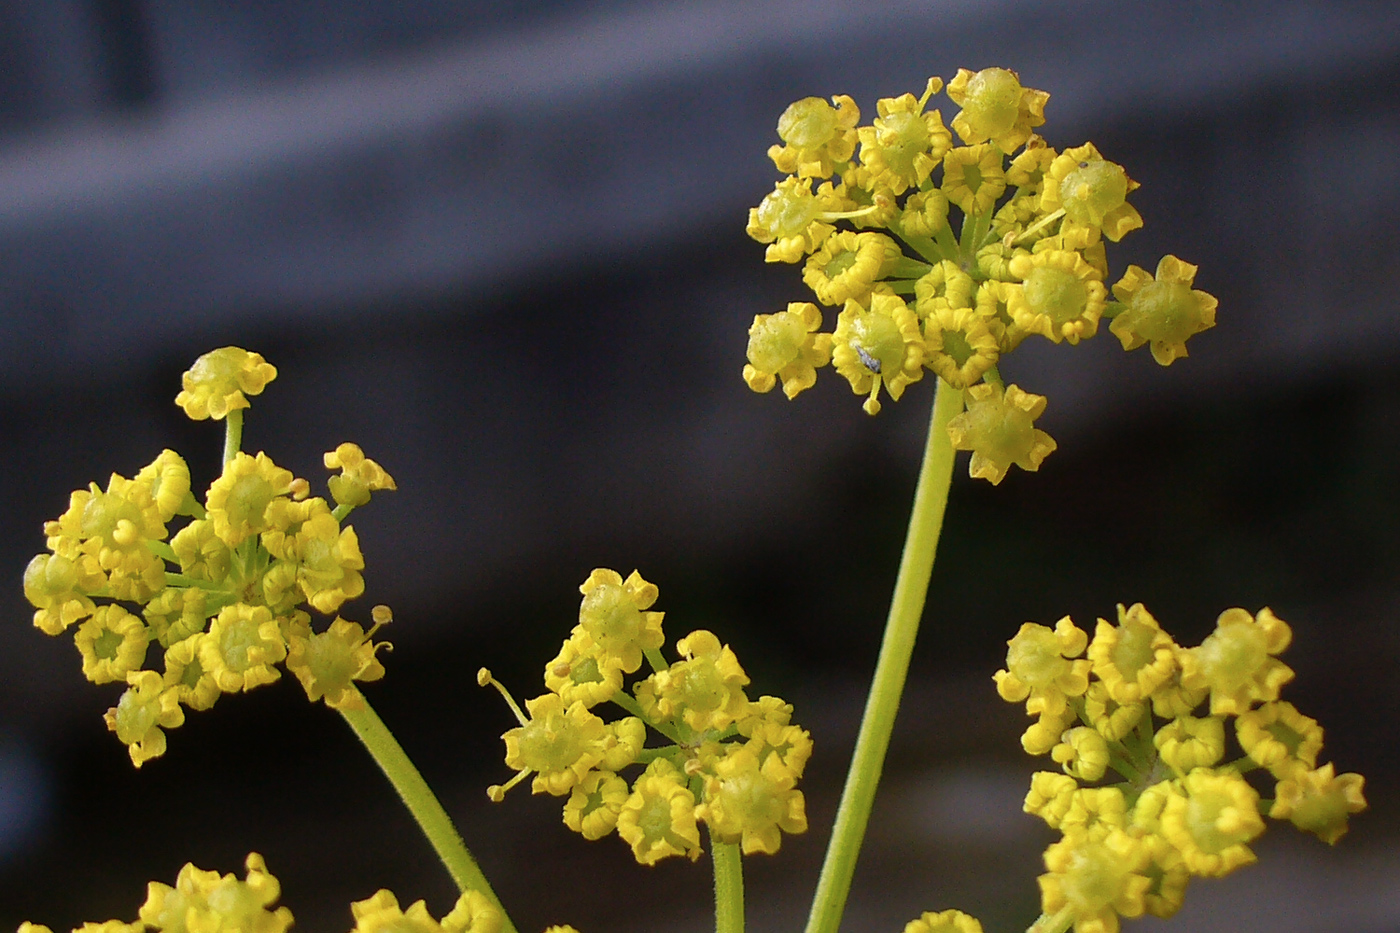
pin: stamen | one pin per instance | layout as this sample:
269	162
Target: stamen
484	678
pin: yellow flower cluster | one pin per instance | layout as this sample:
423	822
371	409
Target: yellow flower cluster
1028	257
1134	704
729	762
222	594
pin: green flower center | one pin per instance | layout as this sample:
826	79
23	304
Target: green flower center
1231	657
776	342
1034	657
610	616
807	123
112	518
1165	311
1094	879
135	716
550	744
992	101
1133	650
1057	294
248	501
1093	189
788	212
879	336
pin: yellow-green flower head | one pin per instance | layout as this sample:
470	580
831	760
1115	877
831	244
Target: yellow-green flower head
1027	169
220	382
705	689
904	145
113	527
791	745
1098	877
1060	297
944	286
184	672
658	818
786	346
581	673
1133	658
328	663
614	614
560	744
764	712
1040	665
973	177
816	136
1162	310
1092	192
752	804
327	557
57	587
848	264
243	646
1050	796
1319	801
959	345
947	921
790	219
1210	820
168	478
990	299
881	345
1095	810
1236	661
998	427
1280	738
1167	871
113	642
202	554
1173	699
176	613
995	106
865	199
1187	743
359	476
473	913
625	739
1111	719
1147	810
1083	753
137	719
924	213
202	901
240	499
594	805
382	914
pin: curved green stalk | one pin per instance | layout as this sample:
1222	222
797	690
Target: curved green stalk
233	434
906	608
422	803
729	886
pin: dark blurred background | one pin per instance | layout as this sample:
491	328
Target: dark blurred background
501	247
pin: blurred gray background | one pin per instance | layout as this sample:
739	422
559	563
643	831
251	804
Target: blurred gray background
501	247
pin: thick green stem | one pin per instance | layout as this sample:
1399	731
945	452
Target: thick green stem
233	434
422	803
906	608
729	886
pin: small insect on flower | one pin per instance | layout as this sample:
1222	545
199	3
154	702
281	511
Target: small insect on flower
871	363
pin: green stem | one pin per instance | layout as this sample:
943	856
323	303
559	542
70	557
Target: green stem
901	628
233	434
729	886
421	802
632	706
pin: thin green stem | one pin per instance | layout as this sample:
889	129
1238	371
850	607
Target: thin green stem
162	550
233	434
901	628
656	659
421	802
340	511
632	706
729	886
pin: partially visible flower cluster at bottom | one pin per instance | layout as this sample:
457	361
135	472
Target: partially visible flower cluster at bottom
731	763
1129	847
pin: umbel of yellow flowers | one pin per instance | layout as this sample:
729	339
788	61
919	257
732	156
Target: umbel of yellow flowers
945	258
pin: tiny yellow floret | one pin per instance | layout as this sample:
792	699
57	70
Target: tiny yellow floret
220	382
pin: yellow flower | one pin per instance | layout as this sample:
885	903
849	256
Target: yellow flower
176	613
791	745
613	614
1060	296
624	743
202	900
959	345
582	673
705	690
328	663
1028	167
904	145
878	346
184	672
168	479
924	213
595	803
973	177
658	819
327	557
359	476
1040	666
1163	311
791	219
1051	722
995	106
58	588
786	346
1319	801
144	709
382	914
202	554
1095	809
1210	820
848	264
816	136
947	921
1187	743
946	285
998	427
473	913
220	381
1133	658
559	744
1236	661
1050	796
752	804
113	527
239	500
242	647
864	198
1280	738
1167	872
113	642
1097	877
1112	720
1091	191
1083	753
